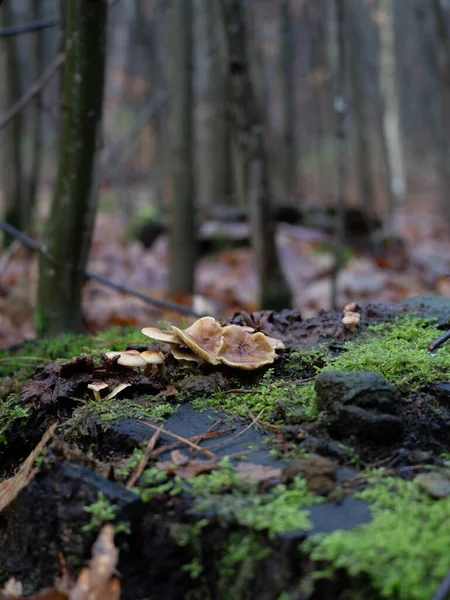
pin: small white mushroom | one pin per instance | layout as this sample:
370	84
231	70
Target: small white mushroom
154	358
117	390
351	320
96	387
128	358
161	336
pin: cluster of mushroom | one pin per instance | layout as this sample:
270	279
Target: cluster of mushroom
206	341
351	318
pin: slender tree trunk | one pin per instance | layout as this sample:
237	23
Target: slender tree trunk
213	170
69	229
361	109
11	172
341	145
247	124
36	124
390	100
183	245
290	156
444	81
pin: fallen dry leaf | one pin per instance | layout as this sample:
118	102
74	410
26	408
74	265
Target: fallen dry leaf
193	468
94	582
257	473
10	488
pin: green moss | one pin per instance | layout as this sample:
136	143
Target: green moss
102	511
265	397
108	412
398	352
11	411
404	550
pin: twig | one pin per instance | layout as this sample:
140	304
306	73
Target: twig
441	340
209	435
163	304
144	460
29	27
237	435
443	592
34	89
261	423
181	439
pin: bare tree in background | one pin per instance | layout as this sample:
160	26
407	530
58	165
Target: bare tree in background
183	251
391	107
341	144
12	168
69	228
361	106
444	80
287	73
248	128
213	155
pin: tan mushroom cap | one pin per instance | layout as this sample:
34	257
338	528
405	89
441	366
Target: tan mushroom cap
128	358
351	320
276	344
184	354
160	335
152	357
203	337
243	350
97	386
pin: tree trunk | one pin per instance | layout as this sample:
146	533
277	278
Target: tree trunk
248	127
11	155
213	155
444	81
361	109
290	157
183	245
69	229
341	146
36	123
391	112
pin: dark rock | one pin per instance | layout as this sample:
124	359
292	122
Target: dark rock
360	404
319	472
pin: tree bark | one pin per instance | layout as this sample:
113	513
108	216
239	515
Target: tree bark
340	109
247	123
12	164
69	229
183	252
290	157
444	82
391	109
213	154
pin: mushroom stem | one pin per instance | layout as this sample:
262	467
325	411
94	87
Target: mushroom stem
97	396
162	370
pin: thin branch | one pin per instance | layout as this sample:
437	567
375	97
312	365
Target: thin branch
162	304
34	89
181	439
29	27
144	460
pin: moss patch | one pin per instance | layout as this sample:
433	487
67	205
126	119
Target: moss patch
11	411
404	550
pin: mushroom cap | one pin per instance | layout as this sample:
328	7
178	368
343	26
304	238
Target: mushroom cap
97	386
160	335
203	337
243	350
351	320
276	344
185	354
152	358
128	358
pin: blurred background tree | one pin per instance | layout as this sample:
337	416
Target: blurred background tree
223	180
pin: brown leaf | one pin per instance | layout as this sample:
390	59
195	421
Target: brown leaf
192	469
10	488
94	582
257	473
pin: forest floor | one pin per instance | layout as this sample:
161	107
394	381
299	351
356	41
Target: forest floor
422	266
325	474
